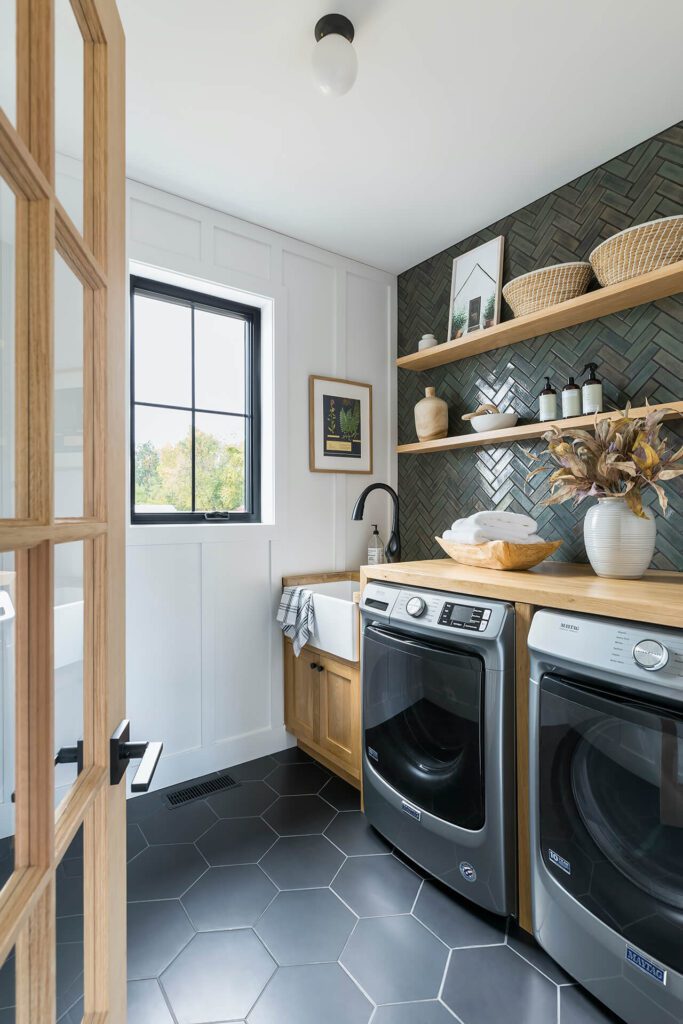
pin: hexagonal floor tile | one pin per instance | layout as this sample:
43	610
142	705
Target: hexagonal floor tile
341	795
377	886
135	841
302	862
229	897
309	995
164	872
395	959
292	755
579	1007
353	834
140	807
157	931
305	926
431	1012
528	948
519	992
218	977
146	1004
298	779
456	921
236	841
181	824
299	815
252	771
247	800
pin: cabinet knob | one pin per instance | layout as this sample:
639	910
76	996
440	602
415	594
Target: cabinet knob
313	664
319	668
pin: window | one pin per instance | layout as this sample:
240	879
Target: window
195	407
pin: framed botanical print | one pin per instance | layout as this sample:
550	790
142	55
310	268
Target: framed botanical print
340	426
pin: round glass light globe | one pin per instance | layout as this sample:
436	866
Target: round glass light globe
335	65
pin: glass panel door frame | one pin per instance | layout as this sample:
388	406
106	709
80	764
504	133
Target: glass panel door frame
97	258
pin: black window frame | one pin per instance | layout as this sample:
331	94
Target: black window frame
251	315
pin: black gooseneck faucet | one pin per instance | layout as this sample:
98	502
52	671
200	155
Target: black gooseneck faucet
393	548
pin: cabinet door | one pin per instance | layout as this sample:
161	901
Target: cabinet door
301	694
340	714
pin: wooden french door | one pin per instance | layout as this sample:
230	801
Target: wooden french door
62	478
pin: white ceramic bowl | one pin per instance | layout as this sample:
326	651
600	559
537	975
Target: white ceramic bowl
494	421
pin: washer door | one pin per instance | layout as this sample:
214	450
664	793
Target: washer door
611	810
423	715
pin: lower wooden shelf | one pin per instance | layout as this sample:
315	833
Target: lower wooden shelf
528	431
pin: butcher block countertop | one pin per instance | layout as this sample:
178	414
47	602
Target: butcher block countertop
656	598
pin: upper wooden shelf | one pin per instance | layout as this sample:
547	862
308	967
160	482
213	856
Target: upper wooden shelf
601	302
528	431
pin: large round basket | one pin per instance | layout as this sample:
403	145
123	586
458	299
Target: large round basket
638	250
499	554
546	287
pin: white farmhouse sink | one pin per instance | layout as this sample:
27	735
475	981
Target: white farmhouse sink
336	618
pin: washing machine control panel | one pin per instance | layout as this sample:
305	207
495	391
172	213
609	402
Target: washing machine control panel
462	616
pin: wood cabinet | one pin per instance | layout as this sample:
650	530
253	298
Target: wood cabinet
322	709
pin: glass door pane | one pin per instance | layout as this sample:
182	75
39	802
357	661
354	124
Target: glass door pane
7	990
69	111
7	345
70	934
8	58
8	604
68	657
69	465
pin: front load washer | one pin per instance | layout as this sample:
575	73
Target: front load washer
437	674
606	774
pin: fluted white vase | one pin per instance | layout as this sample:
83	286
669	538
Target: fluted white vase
619	544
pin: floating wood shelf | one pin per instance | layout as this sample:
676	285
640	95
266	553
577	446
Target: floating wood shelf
527	431
601	302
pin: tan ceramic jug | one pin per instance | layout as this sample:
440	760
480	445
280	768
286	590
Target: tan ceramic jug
431	417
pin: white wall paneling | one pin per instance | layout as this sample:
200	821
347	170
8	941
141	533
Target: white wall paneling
204	651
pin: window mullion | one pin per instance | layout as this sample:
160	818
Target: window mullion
194	448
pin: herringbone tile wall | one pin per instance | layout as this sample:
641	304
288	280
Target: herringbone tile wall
639	353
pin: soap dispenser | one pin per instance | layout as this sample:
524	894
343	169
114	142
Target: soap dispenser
375	548
547	402
571	399
591	392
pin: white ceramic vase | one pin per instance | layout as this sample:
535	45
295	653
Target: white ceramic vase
618	543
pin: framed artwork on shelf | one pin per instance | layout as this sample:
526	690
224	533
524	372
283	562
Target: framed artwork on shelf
476	283
340	425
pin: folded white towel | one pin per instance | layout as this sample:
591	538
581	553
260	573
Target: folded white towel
297	616
473	535
512	521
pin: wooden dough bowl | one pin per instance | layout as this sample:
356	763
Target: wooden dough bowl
499	554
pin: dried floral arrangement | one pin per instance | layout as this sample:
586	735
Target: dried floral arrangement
623	456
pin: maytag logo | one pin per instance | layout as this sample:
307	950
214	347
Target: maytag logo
570	626
560	862
413	812
648	967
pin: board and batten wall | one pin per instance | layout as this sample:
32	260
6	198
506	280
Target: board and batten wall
639	353
204	654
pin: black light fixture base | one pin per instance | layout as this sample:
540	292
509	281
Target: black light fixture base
334	24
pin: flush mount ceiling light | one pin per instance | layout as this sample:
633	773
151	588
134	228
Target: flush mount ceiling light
335	63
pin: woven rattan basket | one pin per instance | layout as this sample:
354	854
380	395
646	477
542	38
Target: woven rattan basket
546	287
638	250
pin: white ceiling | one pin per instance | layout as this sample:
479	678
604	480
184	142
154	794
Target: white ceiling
462	112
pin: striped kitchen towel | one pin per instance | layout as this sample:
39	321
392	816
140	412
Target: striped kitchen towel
297	616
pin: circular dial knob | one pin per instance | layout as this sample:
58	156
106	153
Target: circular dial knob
416	607
650	655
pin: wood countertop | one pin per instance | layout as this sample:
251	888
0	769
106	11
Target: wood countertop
656	598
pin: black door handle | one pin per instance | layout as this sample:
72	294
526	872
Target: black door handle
71	755
121	751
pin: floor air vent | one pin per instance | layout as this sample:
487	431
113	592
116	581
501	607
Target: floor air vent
200	789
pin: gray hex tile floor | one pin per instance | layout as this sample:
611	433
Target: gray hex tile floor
276	903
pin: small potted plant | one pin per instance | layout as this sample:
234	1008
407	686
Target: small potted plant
489	311
626	455
458	322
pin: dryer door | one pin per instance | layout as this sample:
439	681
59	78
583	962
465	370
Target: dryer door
611	810
423	717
